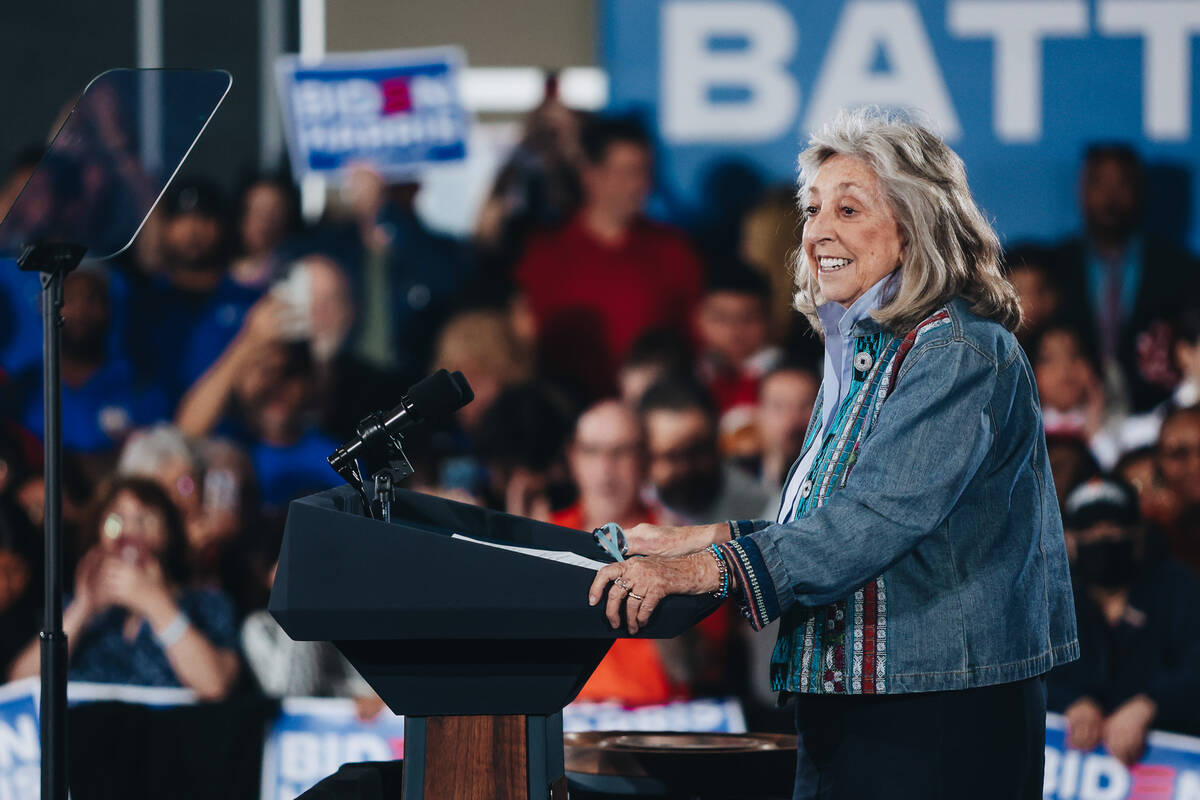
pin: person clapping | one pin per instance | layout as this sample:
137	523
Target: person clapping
130	619
1139	628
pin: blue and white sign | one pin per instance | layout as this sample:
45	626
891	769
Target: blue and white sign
312	737
399	110
1018	87
20	742
1169	770
20	745
685	716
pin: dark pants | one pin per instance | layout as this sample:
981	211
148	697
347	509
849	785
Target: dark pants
983	744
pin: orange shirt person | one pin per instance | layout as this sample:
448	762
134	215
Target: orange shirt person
607	462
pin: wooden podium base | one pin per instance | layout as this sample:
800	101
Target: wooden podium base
484	758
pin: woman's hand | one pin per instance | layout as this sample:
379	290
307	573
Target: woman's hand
368	706
642	583
87	603
138	588
1126	730
1085	724
672	540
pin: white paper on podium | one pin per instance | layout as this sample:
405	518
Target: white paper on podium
561	556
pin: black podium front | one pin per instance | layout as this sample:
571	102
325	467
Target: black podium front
479	647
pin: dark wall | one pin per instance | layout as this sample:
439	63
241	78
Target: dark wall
222	34
48	51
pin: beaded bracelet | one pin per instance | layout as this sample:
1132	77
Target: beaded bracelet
723	568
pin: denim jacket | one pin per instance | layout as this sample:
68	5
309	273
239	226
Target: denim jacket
927	552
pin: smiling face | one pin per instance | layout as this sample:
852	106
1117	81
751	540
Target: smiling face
851	237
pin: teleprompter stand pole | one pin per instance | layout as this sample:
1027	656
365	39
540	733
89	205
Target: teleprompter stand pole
54	261
52	226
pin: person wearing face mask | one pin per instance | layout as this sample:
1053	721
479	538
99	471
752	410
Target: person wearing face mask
690	484
916	561
1139	629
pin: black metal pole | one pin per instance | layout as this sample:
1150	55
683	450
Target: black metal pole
53	261
54	639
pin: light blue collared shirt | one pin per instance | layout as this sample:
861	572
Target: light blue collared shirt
838	323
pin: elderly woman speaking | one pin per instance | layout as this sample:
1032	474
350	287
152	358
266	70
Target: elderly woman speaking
917	561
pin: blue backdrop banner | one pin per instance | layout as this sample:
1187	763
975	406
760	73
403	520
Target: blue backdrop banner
1018	87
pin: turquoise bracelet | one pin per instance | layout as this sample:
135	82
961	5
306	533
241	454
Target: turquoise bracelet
723	568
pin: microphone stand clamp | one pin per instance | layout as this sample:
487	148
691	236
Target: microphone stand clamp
381	460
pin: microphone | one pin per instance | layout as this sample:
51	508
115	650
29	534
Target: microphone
434	398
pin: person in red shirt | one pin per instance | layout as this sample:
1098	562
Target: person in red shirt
610	274
608	463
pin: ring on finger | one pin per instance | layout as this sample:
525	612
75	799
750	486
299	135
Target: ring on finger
634	595
624	584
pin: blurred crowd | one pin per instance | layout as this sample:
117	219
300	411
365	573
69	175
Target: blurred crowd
623	369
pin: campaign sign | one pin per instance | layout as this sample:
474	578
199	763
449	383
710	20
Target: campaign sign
398	110
1018	87
689	716
1169	770
312	737
20	746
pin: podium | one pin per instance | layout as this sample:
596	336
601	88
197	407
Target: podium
479	647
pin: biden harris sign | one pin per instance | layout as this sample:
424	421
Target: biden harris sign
399	111
1168	770
1018	87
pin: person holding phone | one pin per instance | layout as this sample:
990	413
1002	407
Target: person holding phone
132	618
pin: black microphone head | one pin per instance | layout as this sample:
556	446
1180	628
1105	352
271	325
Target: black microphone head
466	393
440	395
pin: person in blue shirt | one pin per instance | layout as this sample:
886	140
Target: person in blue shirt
133	619
259	393
179	322
20	318
103	399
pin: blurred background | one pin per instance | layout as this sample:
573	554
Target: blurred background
588	208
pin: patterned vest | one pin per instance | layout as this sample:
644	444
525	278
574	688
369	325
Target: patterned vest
841	648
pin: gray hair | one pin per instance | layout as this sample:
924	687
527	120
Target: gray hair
949	248
149	450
